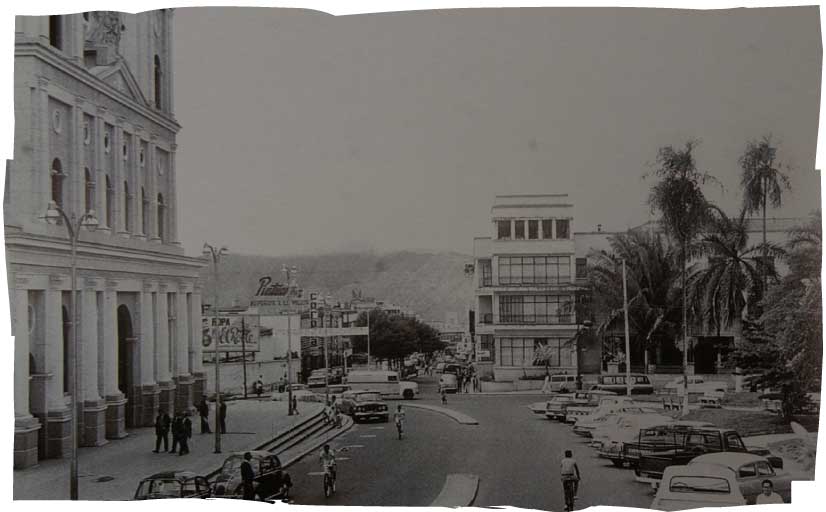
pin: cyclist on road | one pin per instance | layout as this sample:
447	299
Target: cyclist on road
328	462
398	418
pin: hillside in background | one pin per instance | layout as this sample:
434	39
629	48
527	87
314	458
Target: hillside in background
431	284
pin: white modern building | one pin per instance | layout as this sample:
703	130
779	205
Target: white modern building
95	132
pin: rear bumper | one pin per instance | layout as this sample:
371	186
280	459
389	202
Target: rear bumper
373	415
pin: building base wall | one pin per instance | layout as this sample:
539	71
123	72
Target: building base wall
26	430
150	401
183	393
58	434
116	417
94	423
198	386
167	398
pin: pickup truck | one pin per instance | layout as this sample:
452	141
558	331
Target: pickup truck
648	440
555	407
600	404
691	443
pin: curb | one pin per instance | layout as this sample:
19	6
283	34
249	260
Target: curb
459	491
346	424
463	419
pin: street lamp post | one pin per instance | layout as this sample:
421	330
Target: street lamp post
215	254
73	225
586	326
289	271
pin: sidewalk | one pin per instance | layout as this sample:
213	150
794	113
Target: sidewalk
112	472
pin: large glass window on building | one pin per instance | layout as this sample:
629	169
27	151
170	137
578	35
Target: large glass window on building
552	352
503	229
519	229
486	348
533	229
527	270
486	273
535	309
562	229
547	229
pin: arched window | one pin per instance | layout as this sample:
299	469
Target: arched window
90	191
158	83
161	219
127	207
110	200
56	31
57	182
144	212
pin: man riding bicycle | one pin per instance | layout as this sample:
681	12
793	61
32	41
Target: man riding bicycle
398	418
328	463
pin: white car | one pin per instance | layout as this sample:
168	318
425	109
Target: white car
696	486
625	429
585	427
696	384
301	395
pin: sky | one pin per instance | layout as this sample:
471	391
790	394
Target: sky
306	133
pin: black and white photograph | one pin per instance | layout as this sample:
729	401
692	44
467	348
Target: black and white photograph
543	257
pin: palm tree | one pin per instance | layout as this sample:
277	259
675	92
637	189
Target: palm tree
719	290
652	270
679	198
763	182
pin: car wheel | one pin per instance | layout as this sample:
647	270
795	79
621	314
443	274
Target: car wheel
408	394
617	463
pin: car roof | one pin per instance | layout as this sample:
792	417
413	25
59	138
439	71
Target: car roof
728	459
172	475
698	469
254	453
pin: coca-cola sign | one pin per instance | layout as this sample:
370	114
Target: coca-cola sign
230	333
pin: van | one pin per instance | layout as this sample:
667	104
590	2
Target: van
384	381
640	385
562	383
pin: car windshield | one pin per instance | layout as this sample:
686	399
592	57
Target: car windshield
368	397
160	488
232	464
707	484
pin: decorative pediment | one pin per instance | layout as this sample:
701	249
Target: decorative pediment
118	76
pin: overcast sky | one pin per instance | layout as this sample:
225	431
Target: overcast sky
304	132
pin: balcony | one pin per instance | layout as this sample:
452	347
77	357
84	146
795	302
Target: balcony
513	319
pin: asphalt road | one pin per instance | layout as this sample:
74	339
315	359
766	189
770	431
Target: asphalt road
514	452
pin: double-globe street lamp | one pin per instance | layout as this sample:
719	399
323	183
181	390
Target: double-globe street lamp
289	271
73	224
211	252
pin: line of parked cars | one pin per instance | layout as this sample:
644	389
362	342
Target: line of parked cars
690	464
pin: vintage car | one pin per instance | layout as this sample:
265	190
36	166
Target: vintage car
282	395
364	405
692	443
586	428
651	439
173	484
640	384
271	481
696	384
337	390
448	383
611	437
697	486
750	470
600	403
557	406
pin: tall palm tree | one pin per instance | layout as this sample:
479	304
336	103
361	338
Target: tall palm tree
679	198
719	290
652	271
763	182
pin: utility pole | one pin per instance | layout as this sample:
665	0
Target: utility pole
244	353
289	271
627	338
216	254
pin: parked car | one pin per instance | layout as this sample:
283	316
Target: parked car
562	383
652	439
282	395
440	368
599	404
750	470
693	443
640	384
448	383
696	384
454	368
173	484
386	382
586	428
301	395
271	481
697	486
610	438
338	389
318	378
554	408
364	405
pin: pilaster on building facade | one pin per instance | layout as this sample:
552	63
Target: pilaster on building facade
95	134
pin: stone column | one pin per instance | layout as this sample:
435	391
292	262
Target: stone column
120	176
58	415
196	358
77	159
100	170
172	208
43	164
162	348
109	353
149	389
26	426
94	407
183	379
168	74
152	189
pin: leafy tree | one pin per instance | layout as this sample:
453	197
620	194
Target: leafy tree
394	337
684	210
652	270
763	182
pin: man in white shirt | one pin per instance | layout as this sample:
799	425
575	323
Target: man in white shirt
768	496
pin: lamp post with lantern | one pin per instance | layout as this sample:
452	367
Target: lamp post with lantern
215	254
289	271
55	214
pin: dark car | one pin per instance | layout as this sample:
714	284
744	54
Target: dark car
173	484
364	405
640	384
271	481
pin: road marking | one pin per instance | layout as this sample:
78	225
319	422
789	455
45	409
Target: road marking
315	473
376	428
368	435
352	446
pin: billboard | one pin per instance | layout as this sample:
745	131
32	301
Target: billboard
225	333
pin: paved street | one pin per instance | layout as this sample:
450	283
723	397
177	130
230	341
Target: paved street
514	452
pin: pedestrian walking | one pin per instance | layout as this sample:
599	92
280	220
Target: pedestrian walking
176	432
476	383
444	397
295	406
203	412
569	472
459	379
222	416
162	423
185	433
248	477
259	386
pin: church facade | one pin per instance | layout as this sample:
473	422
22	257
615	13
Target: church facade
95	134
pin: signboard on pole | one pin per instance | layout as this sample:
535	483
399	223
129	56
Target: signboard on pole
225	333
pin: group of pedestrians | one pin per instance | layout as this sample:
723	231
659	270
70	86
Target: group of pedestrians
180	426
203	412
467	380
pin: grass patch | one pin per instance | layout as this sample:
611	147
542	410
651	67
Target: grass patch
748	423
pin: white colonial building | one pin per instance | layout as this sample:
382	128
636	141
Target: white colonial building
95	131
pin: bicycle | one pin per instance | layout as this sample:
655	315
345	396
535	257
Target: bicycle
329	481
